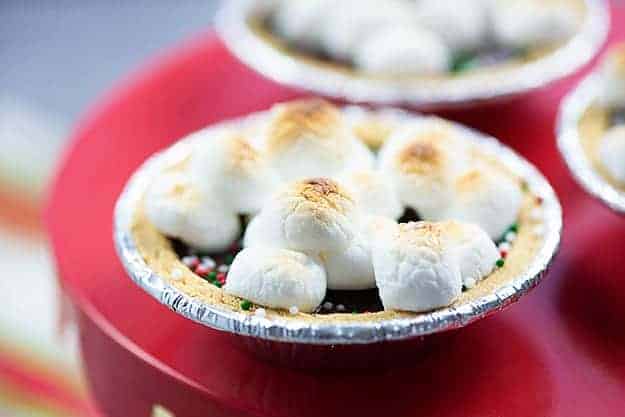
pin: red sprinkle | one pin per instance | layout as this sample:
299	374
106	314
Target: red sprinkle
539	200
503	253
221	278
202	270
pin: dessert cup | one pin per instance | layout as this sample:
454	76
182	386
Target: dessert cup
343	340
240	27
582	121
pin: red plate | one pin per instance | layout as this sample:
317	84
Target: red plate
559	352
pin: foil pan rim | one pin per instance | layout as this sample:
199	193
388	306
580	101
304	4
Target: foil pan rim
294	331
572	109
251	49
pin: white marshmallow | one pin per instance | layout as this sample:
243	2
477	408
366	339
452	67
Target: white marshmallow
299	21
400	50
361	157
486	198
474	251
414	270
462	25
612	152
311	215
613	78
277	278
262	231
309	138
350	22
351	269
422	159
178	209
228	167
377	229
372	193
526	23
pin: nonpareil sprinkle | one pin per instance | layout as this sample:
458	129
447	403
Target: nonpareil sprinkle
500	263
202	270
246	305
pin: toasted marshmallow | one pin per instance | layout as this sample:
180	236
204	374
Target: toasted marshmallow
612	152
351	269
486	198
403	50
474	251
415	270
526	23
462	25
298	21
613	78
373	131
277	278
228	167
312	215
372	193
309	138
422	160
178	209
349	22
377	228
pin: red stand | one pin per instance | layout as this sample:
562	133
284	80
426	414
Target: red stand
559	352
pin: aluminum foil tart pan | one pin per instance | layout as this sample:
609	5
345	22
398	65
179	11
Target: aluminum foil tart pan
572	110
294	331
237	30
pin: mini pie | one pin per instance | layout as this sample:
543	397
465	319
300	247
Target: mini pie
425	38
290	214
602	126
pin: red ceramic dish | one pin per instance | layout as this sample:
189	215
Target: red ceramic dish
558	353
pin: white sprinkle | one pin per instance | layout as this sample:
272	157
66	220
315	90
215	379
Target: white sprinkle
223	268
470	283
328	305
340	307
208	262
293	310
176	274
504	247
260	312
510	237
190	261
539	230
536	214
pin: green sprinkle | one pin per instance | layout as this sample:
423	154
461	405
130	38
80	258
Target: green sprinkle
217	284
525	186
246	305
514	228
463	61
212	276
500	263
229	259
521	52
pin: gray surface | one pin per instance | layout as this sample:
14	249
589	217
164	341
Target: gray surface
60	55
